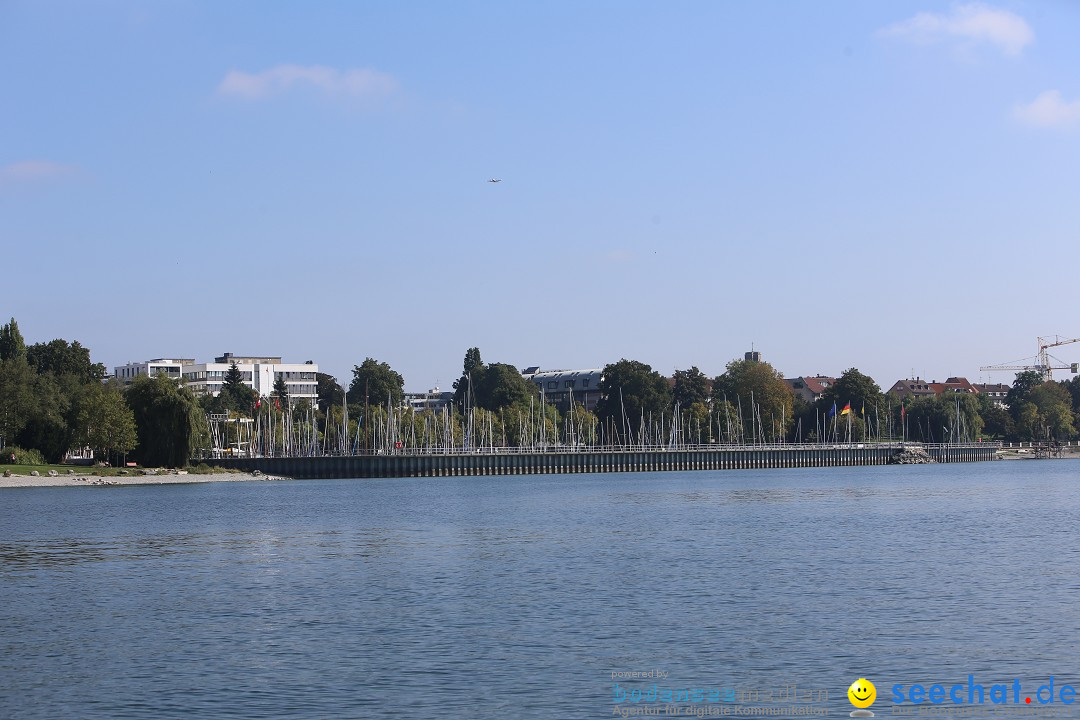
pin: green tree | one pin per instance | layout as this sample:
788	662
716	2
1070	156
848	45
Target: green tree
697	423
105	422
63	358
16	396
236	395
1029	425
329	391
472	369
997	423
472	360
691	386
856	388
584	425
11	341
727	421
1073	388
868	404
375	383
766	401
281	390
48	428
500	385
935	418
169	423
629	391
1022	386
1055	410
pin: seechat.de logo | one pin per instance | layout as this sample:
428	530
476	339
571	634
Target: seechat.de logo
977	694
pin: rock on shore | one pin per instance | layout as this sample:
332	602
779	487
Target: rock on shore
911	456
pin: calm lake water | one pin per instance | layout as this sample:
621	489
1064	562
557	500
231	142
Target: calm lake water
518	597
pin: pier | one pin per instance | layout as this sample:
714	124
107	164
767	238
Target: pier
514	461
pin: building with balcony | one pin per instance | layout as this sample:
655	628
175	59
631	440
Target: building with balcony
560	387
996	391
434	399
170	367
918	387
257	372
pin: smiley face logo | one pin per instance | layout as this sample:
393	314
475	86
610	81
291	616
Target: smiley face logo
862	693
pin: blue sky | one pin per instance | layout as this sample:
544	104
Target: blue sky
890	186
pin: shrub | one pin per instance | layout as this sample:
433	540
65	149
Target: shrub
22	457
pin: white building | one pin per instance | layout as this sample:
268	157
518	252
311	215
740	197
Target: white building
172	367
258	373
433	399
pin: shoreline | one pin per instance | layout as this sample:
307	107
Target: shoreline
170	477
183	477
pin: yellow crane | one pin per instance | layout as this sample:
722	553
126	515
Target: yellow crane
1043	359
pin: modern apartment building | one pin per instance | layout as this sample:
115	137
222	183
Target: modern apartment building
257	372
559	387
172	367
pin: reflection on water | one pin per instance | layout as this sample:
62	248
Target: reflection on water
517	597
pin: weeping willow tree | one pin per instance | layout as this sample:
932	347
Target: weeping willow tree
169	423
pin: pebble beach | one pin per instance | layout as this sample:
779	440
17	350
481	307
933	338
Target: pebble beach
163	477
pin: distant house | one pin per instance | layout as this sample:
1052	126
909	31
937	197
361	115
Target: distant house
918	387
810	389
559	387
996	391
433	399
954	384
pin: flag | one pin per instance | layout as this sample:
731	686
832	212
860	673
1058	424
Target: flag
901	412
846	410
258	403
832	410
863	413
277	401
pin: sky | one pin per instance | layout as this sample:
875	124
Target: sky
888	186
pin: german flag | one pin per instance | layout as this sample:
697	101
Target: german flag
846	410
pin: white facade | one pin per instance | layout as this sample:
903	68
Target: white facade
172	367
433	399
258	373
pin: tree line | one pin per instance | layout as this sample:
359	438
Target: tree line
749	402
54	399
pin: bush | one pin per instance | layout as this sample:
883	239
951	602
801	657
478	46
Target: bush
22	457
204	469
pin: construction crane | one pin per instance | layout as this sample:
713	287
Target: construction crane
1043	358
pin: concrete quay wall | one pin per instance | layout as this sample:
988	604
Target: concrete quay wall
598	461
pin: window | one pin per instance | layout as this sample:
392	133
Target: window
553	384
584	382
569	384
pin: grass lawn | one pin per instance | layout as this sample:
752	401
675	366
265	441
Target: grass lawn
63	470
